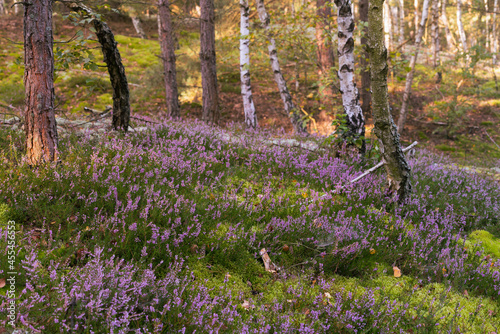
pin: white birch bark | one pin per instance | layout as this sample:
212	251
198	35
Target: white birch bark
450	40
388	26
435	38
487	24
350	96
246	88
413	61
494	32
136	21
401	22
395	24
2	7
461	31
290	107
415	3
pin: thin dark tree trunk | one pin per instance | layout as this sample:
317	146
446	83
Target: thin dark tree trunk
166	31
397	169
366	95
210	113
116	70
40	123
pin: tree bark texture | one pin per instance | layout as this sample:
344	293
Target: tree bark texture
413	62
40	123
350	97
397	169
461	31
166	33
117	76
326	62
246	88
290	108
388	25
366	96
494	33
401	21
136	21
450	40
210	111
2	7
116	70
435	38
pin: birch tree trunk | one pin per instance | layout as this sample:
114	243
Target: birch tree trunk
416	20
2	7
487	25
210	112
401	23
413	62
290	107
326	62
450	40
396	167
388	26
366	95
246	88
435	39
40	123
136	21
165	33
395	24
494	42
461	31
350	97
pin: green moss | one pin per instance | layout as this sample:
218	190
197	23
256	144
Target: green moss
422	136
487	123
445	148
490	244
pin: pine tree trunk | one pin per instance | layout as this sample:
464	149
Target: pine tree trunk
366	95
461	31
246	88
210	112
165	33
326	62
136	21
350	97
450	40
397	169
435	39
413	62
290	107
40	123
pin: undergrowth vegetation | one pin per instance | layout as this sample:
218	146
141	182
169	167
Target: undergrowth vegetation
161	231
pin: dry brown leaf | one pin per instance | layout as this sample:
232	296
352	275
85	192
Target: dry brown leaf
397	272
246	305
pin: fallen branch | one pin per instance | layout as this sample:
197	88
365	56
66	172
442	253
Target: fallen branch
144	120
380	164
494	142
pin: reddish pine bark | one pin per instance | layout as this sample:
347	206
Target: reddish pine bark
40	124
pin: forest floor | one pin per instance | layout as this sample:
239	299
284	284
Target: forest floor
462	121
181	227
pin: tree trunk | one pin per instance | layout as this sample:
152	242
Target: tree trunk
350	97
40	123
326	62
165	33
416	19
413	62
210	112
401	23
17	8
388	26
435	39
366	95
461	31
397	169
116	70
2	7
450	40
494	42
136	21
246	88
290	107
